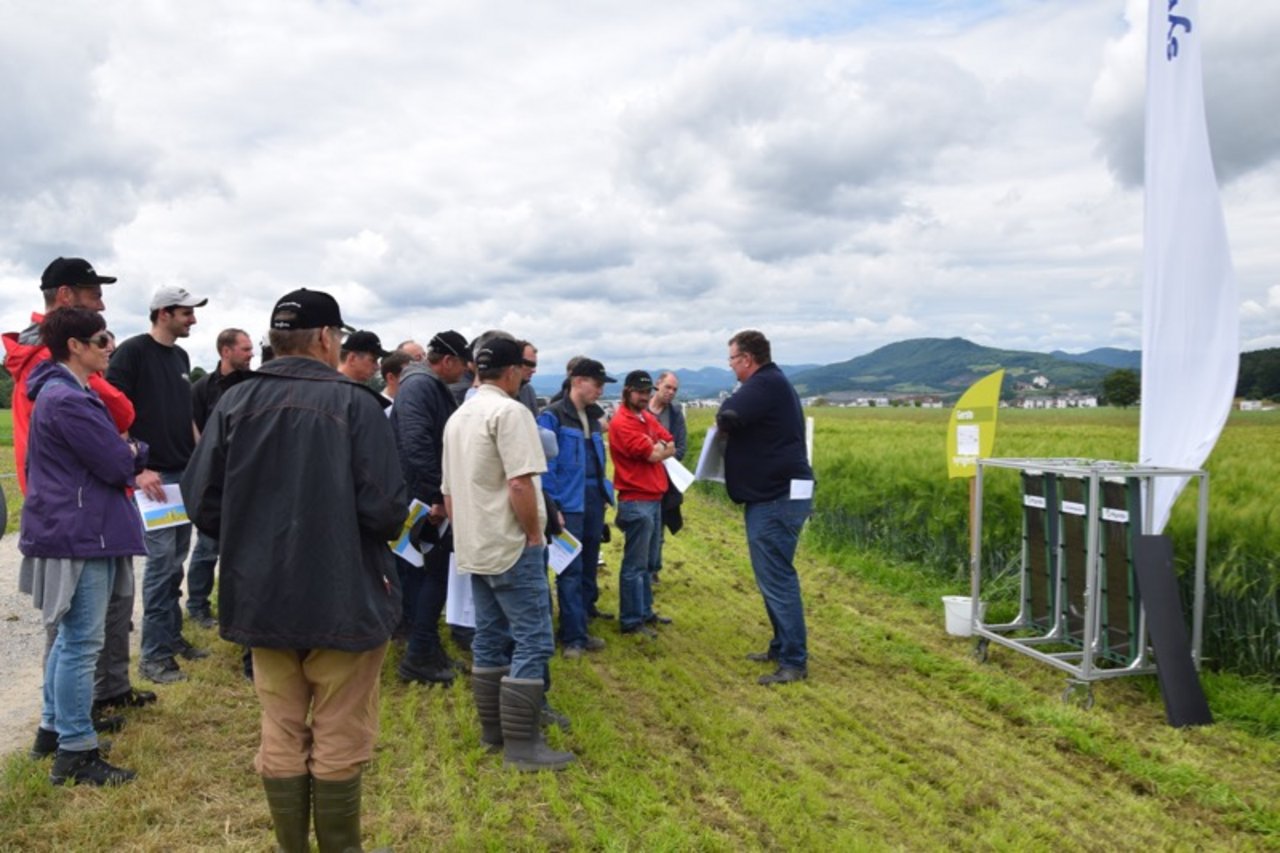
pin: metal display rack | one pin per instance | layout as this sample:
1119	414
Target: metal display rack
1080	611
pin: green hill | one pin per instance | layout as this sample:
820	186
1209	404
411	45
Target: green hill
945	366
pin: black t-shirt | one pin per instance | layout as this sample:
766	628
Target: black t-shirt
207	391
155	378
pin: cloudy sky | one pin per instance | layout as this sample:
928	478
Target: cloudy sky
635	181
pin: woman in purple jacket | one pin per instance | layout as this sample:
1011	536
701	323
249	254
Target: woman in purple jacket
78	525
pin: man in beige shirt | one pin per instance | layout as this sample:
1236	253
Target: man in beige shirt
492	467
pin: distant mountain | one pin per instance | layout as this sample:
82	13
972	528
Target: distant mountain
1108	356
944	366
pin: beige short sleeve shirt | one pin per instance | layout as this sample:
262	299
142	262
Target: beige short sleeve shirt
490	439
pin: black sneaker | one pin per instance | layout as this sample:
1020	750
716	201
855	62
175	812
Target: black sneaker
108	723
203	618
424	672
784	675
658	619
599	614
643	630
161	670
46	744
189	651
131	698
87	768
761	657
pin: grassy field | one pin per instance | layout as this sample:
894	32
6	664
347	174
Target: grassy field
899	740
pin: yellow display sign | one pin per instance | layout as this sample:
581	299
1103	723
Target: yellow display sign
971	434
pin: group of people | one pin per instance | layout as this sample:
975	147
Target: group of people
296	476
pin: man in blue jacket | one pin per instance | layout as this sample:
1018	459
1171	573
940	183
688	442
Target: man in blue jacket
575	479
766	467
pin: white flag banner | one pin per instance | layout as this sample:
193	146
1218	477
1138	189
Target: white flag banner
1190	307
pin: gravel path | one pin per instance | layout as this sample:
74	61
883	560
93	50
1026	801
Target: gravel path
22	647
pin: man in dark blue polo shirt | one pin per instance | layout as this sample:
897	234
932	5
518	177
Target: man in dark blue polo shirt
766	467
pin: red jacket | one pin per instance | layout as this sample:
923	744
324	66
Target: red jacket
22	352
631	439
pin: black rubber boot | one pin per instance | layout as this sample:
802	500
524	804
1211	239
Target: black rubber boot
486	687
337	814
523	746
86	768
290	803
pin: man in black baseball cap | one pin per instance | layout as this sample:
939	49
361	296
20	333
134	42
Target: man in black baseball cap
423	406
314	592
360	354
576	479
72	272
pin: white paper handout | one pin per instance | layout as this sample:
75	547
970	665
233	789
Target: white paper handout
459	608
561	550
157	515
968	441
801	490
681	477
711	460
402	547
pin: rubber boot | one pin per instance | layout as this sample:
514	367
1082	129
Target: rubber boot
290	804
486	687
523	746
337	808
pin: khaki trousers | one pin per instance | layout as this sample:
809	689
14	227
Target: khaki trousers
319	711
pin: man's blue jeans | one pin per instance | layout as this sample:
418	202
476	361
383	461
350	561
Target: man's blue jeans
162	586
200	575
513	617
68	671
639	521
592	528
573	611
773	529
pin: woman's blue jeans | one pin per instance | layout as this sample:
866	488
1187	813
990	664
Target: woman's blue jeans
68	672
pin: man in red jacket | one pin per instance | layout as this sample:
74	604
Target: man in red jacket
638	445
68	283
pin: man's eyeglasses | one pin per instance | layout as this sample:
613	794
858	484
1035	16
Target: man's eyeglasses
101	341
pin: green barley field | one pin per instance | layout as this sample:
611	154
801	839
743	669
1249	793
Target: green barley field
883	486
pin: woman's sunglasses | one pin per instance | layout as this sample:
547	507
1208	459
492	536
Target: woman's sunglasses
101	341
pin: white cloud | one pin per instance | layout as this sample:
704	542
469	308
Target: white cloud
634	182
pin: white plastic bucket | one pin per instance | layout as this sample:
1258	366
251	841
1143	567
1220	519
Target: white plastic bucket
959	610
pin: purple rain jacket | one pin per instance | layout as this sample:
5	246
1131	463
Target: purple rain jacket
78	468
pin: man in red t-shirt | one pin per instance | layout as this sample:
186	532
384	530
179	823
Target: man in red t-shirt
67	283
638	445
